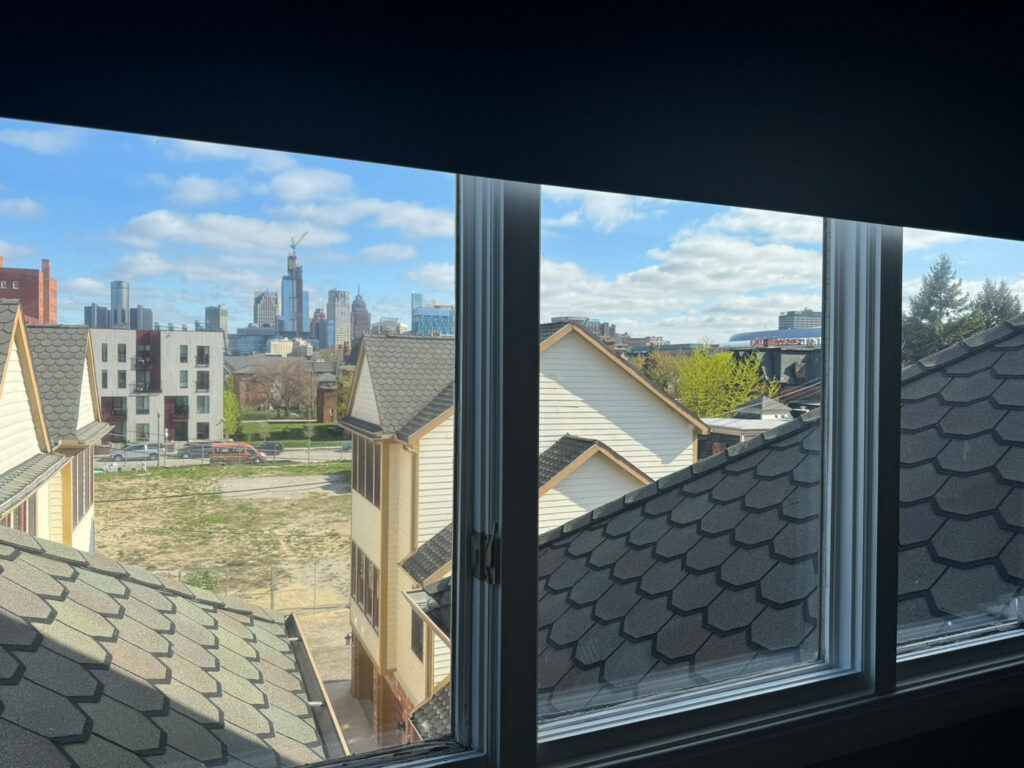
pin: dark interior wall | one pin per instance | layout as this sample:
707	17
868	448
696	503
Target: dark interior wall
880	116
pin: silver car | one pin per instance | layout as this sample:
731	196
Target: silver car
136	452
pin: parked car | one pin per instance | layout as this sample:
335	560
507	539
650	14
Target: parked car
136	452
236	453
195	451
271	447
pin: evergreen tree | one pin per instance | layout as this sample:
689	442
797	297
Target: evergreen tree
994	304
936	317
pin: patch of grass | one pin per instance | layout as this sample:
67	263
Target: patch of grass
290	431
204	579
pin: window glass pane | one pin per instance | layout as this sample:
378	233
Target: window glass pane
679	458
252	491
961	547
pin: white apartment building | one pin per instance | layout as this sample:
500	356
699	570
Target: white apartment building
163	384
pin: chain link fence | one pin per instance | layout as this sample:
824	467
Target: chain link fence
283	587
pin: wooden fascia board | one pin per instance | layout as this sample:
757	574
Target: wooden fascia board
90	366
430	623
571	328
584	457
19	340
415	437
355	379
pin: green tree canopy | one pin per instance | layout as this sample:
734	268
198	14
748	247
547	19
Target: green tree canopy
661	368
935	319
716	384
995	303
232	414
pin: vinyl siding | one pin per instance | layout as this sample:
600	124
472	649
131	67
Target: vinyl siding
83	536
442	660
597	481
399	500
584	393
366	527
436	478
43	513
364	401
409	669
21	441
54	491
85	412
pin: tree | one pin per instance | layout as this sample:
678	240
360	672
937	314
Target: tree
232	414
662	368
346	375
936	316
716	384
995	303
287	383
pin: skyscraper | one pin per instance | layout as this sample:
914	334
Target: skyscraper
119	304
217	318
799	318
97	316
264	309
140	318
318	328
339	318
294	300
431	318
360	320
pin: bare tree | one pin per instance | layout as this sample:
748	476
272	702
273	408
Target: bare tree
287	382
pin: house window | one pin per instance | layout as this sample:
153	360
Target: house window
366	468
122	379
202	430
22	517
365	585
81	485
142	432
122	353
202	355
142	405
103	379
183	353
203	404
417	635
183	379
103	352
3	284
15	284
203	381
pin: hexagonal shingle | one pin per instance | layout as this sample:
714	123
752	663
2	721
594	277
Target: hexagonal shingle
709	552
681	637
567	574
616	602
768	493
964	421
662	577
122	725
970	455
918	570
41	711
86	621
969	541
677	541
797	540
972	494
590	587
629	663
691	509
597	644
1011	466
786	583
758	527
968	389
733	609
721	518
647	617
23	602
695	592
58	673
916	447
967	592
733	487
571	626
777	629
746	566
189	737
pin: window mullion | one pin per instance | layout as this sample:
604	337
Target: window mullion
497	374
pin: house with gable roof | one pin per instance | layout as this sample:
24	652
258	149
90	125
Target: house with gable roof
49	425
605	430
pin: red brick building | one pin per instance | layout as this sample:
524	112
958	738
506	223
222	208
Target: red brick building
34	288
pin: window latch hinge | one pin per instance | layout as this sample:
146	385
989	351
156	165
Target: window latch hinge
484	549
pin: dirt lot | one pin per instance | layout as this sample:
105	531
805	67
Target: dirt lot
276	535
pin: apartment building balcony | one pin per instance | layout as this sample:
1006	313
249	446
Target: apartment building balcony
142	361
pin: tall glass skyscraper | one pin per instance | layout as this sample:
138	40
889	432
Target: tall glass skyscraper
294	300
431	318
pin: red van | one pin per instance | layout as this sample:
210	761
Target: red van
235	453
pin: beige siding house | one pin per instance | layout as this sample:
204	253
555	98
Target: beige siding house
49	424
604	431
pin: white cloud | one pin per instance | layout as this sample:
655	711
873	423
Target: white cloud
606	211
784	227
570	219
919	239
439	275
144	264
47	141
236	234
197	190
388	252
86	286
14	251
305	184
410	219
263	160
20	208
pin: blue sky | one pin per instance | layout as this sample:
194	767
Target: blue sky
190	224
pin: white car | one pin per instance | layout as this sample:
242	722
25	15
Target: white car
136	452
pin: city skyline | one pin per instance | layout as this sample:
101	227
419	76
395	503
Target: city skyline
190	224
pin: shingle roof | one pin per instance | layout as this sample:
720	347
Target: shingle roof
433	719
58	355
435	600
762	406
8	311
17	482
432	556
560	454
109	665
408	375
713	571
445	399
550	329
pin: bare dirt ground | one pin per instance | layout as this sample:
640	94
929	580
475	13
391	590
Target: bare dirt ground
276	535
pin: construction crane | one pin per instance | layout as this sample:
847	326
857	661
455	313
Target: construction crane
296	242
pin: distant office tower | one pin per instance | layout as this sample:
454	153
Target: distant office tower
217	318
360	320
119	304
431	318
595	326
799	318
294	300
318	328
339	318
264	309
97	316
386	326
140	318
34	288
